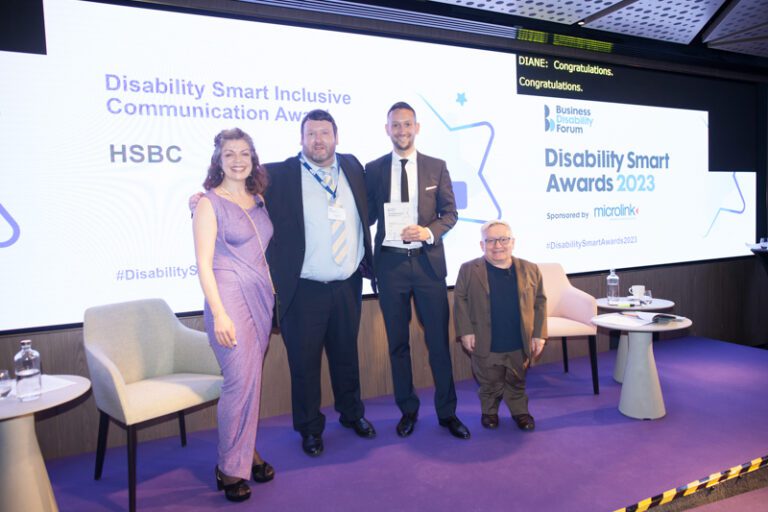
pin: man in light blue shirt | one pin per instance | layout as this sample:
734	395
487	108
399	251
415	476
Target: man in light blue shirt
318	256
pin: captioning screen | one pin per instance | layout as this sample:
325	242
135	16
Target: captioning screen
106	135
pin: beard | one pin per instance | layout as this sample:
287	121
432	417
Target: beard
403	144
320	154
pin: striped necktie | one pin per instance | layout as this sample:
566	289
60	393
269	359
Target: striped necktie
339	238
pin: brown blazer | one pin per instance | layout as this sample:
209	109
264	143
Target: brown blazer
472	306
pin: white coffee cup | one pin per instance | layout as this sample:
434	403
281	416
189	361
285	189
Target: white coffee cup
637	291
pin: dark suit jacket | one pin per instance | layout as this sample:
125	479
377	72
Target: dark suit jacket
437	206
472	305
284	202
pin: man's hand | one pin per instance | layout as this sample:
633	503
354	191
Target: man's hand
193	200
415	233
537	347
468	342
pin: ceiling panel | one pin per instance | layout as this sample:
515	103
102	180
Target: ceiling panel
741	18
759	47
676	21
739	26
760	32
557	11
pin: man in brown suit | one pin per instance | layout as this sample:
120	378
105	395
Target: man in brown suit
500	312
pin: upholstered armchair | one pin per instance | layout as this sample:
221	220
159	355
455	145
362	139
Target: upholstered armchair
144	365
569	314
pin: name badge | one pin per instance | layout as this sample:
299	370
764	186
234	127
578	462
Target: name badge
336	213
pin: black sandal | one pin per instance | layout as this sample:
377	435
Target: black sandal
263	472
237	491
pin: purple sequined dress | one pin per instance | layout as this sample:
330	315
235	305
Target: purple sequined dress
243	283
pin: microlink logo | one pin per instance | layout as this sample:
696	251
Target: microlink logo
621	211
567	119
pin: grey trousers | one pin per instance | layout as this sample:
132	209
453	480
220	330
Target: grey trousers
501	375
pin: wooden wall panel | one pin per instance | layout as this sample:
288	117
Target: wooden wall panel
726	300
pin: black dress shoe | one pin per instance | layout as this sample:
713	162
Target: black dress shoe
362	426
312	444
263	472
406	424
489	420
524	421
236	491
455	426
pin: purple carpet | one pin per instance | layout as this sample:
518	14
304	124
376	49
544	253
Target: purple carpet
584	454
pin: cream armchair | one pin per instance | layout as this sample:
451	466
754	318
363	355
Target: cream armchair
145	364
569	314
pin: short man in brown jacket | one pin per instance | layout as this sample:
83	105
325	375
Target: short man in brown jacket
500	312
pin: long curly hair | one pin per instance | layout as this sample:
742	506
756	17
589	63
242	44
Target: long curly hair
255	183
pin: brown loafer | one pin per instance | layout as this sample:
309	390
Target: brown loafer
524	422
489	420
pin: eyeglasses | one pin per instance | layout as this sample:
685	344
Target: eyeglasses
503	241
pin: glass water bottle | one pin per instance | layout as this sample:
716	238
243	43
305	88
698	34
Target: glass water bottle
612	282
28	376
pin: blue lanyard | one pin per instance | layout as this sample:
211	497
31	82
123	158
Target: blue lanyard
328	189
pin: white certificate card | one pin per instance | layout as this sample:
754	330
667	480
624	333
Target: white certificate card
396	217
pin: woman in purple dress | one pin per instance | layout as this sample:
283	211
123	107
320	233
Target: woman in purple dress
232	230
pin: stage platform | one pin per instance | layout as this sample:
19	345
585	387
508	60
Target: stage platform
583	456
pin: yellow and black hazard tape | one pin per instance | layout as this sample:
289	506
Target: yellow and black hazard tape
704	483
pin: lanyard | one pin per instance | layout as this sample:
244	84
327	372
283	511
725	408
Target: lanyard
322	183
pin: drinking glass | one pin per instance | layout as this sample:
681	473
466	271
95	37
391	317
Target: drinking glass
5	383
647	297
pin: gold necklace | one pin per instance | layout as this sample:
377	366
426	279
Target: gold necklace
239	203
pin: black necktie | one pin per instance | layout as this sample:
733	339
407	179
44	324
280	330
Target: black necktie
403	184
403	181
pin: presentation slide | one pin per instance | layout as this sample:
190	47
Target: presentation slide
106	135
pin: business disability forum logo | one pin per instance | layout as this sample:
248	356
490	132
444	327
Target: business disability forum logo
568	120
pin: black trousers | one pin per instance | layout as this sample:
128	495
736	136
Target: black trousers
400	277
323	315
